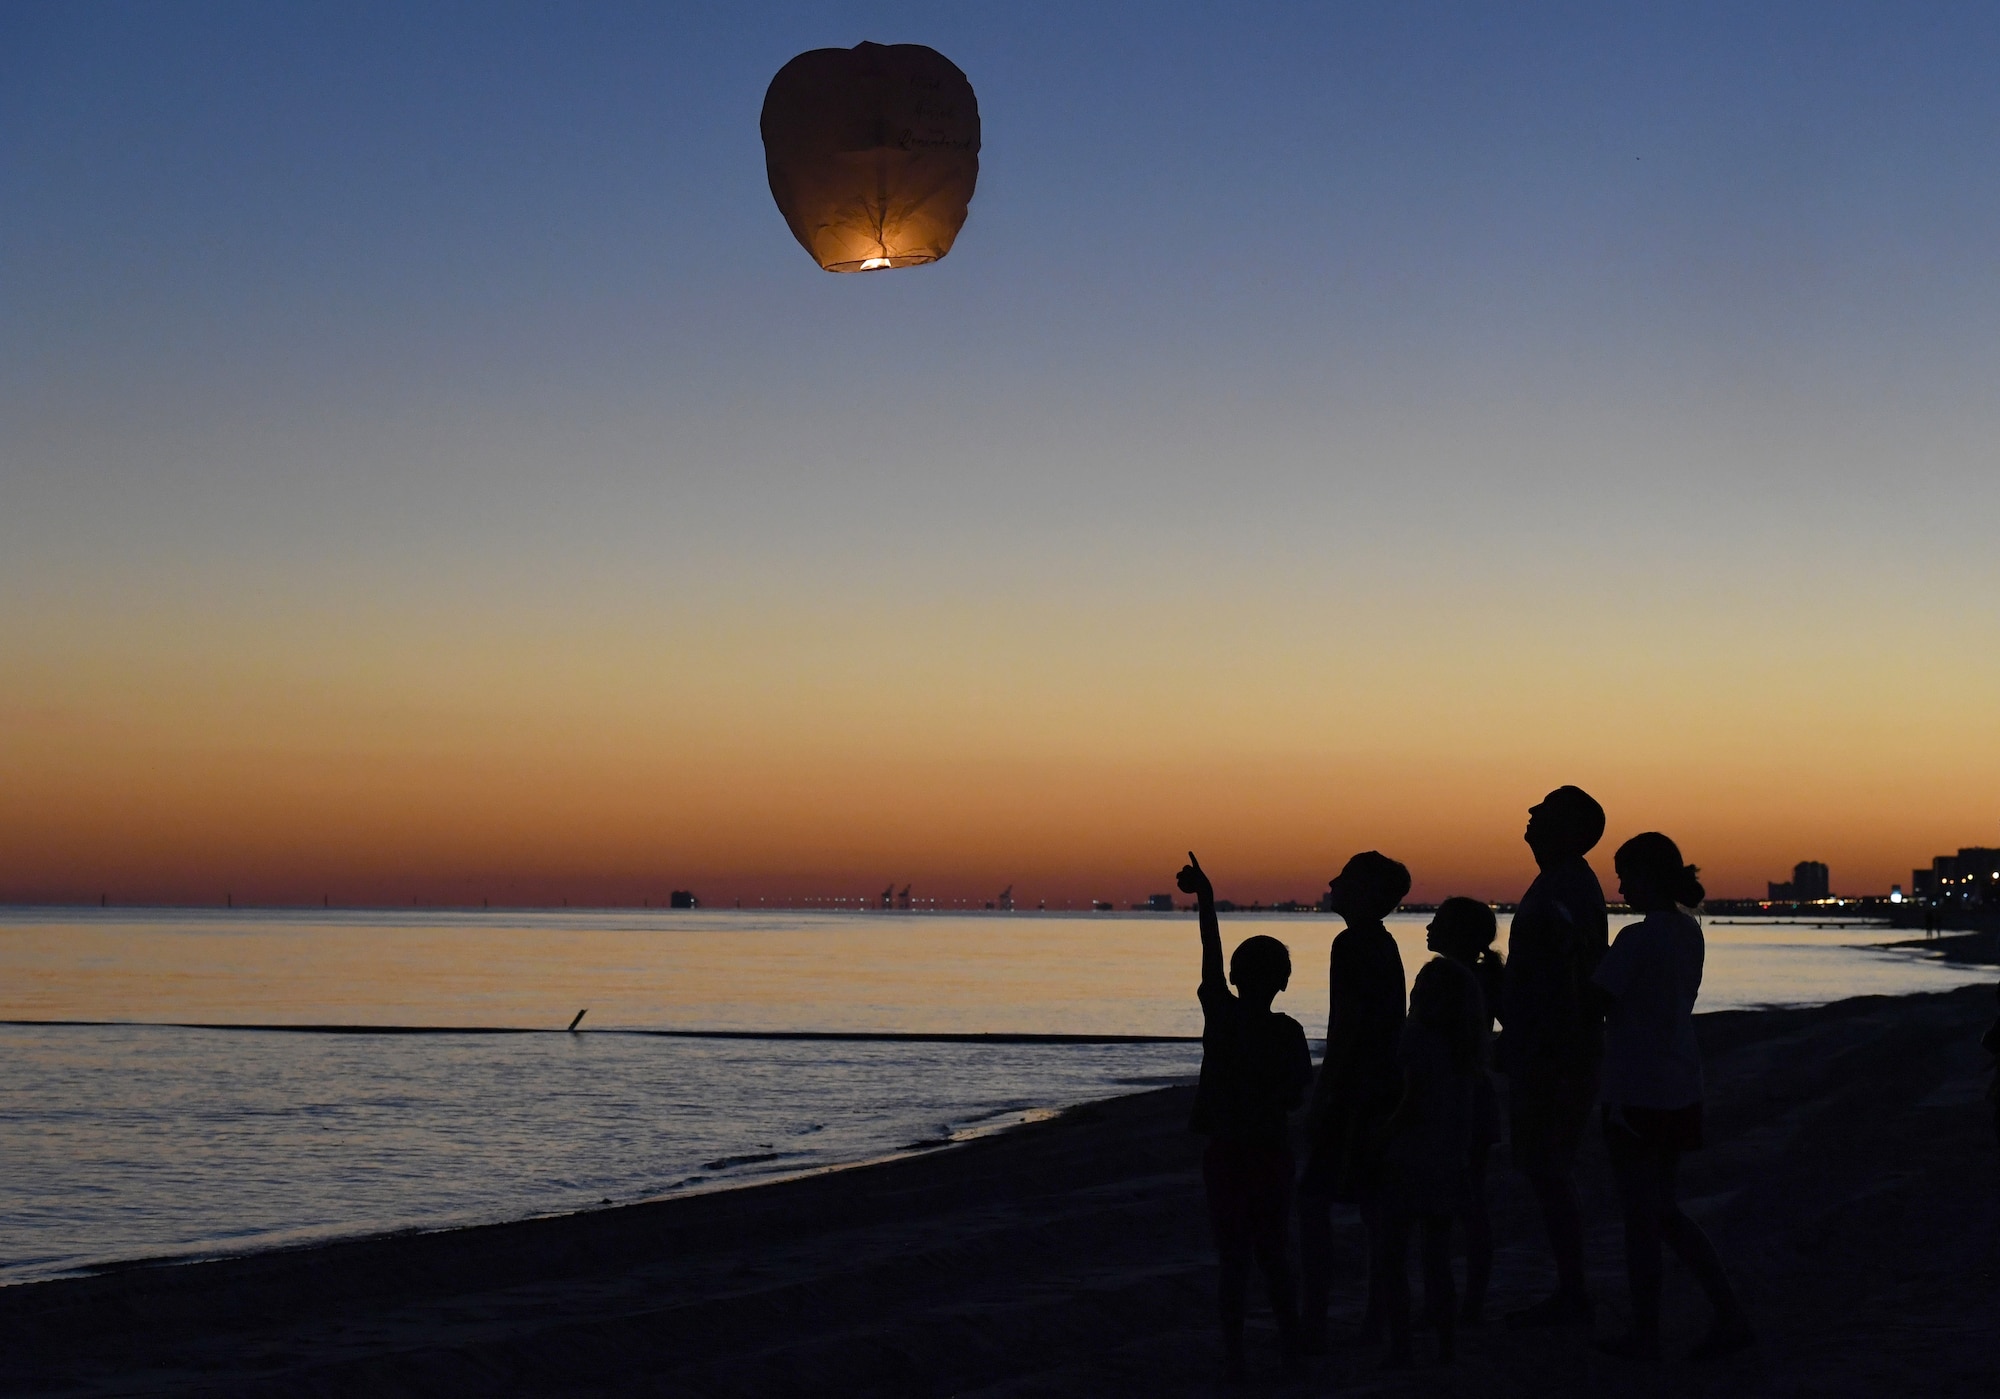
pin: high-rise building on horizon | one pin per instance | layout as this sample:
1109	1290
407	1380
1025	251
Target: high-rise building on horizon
1969	879
1809	882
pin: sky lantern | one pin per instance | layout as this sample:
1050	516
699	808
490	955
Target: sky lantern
872	152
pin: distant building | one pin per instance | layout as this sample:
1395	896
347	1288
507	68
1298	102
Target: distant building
683	898
1966	881
1808	883
1157	903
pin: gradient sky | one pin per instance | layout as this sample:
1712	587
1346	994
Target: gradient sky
428	467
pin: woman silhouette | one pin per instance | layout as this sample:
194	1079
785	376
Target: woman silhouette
1652	1090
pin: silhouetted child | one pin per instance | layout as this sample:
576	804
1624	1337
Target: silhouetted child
1359	1081
1255	1068
1652	1090
1428	1143
1463	930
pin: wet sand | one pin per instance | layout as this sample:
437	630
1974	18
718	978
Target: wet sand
1966	949
1853	1187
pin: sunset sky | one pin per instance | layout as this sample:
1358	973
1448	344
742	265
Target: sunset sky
429	468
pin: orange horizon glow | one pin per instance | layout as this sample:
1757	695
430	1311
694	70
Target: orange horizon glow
610	772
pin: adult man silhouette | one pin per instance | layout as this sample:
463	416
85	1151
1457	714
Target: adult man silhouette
1552	1032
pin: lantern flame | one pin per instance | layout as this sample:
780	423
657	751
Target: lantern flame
874	264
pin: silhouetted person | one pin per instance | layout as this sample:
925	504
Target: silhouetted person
1359	1082
1255	1068
1551	1034
1428	1142
1463	930
1991	1044
1652	1090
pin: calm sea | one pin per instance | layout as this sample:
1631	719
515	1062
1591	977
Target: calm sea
147	1137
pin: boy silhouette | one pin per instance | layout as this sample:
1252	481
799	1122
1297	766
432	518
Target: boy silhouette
1254	1070
1359	1085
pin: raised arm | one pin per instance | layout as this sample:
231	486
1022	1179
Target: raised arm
1191	879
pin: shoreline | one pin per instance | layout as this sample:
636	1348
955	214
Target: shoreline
1851	1184
336	1237
1976	949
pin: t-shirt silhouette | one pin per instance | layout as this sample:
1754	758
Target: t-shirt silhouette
1554	944
1254	1070
1652	973
1366	996
1431	1149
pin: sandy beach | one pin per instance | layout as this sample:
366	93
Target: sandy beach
1853	1185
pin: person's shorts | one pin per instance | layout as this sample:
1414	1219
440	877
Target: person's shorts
1344	1163
1547	1115
1656	1129
1412	1190
1485	1110
1249	1188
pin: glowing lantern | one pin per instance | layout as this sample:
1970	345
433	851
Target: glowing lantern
872	152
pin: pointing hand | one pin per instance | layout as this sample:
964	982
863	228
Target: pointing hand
1192	880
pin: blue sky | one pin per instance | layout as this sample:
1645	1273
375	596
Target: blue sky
1499	339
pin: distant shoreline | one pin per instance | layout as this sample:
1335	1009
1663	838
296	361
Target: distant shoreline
1870	910
881	1036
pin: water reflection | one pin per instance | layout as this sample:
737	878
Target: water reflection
132	1140
1075	974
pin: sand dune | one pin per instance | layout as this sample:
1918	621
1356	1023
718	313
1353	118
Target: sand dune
1854	1188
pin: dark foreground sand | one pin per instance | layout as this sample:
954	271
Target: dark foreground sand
1854	1187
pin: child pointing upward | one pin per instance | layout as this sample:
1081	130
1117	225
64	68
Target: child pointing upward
1255	1069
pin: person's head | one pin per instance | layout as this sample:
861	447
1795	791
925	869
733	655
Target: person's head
1260	968
1368	887
1564	825
1441	998
1461	928
1652	877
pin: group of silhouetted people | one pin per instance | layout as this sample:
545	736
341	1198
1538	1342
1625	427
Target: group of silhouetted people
1404	1113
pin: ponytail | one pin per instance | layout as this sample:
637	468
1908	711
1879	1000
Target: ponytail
1688	892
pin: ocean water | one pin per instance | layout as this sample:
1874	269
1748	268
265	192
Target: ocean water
134	1132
